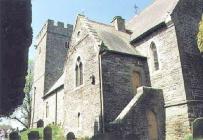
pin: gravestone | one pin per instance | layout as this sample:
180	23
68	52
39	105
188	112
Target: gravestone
33	135
40	123
70	136
197	130
48	133
14	136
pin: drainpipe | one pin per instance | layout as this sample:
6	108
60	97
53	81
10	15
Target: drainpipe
56	108
33	110
101	89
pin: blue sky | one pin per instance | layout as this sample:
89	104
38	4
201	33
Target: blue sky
67	10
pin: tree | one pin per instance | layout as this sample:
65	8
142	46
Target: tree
23	113
200	36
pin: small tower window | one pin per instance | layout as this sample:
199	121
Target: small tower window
154	56
79	72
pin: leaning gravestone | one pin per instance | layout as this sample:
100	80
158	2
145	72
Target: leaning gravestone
197	130
14	136
48	133
33	135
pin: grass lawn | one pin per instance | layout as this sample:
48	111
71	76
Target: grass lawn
57	133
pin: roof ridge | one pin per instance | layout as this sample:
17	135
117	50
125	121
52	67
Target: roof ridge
101	23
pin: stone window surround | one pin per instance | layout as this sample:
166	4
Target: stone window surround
79	72
152	58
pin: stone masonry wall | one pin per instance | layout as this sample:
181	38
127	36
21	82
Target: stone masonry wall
38	84
82	103
136	123
49	62
49	113
118	90
186	17
169	78
56	51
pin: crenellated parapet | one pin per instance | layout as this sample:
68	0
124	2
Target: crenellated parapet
55	27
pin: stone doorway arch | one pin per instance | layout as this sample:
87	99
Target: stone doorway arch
152	125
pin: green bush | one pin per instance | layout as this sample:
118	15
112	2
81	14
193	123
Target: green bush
188	137
57	132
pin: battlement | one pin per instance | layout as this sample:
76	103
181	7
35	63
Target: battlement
52	26
57	24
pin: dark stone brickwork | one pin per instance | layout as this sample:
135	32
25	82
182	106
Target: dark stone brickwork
56	51
186	17
117	70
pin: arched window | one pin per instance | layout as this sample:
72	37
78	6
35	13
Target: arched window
79	72
77	75
154	56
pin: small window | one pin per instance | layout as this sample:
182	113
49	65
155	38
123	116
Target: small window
154	56
79	120
79	72
47	109
78	34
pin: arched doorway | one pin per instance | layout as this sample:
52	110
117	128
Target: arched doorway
152	125
136	80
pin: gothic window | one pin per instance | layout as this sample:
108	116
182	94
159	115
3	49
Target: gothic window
154	56
47	109
77	75
79	72
136	80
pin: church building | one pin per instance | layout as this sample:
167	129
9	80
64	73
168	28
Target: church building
141	78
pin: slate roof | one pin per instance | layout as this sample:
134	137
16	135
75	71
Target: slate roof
57	84
152	16
114	40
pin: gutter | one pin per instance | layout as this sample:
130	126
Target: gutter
52	92
122	53
150	31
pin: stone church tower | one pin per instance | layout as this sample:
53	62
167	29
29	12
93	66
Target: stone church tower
51	50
